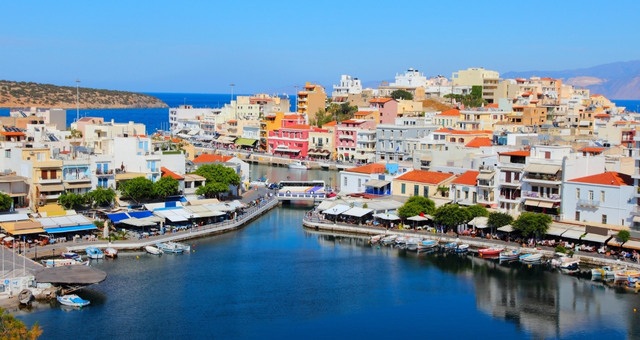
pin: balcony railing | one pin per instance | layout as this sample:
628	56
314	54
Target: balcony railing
535	194
588	203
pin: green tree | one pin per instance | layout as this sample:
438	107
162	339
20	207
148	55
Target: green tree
401	94
532	224
71	200
219	175
473	99
166	186
12	328
416	205
623	236
499	219
137	189
451	215
212	189
477	211
100	197
5	201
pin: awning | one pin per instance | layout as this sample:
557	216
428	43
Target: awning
631	245
70	229
376	183
506	228
636	218
556	231
117	217
245	141
77	185
336	210
595	238
574	234
22	227
485	176
357	212
50	187
138	222
13	217
174	215
129	175
531	203
548	169
545	204
225	139
479	222
419	218
388	217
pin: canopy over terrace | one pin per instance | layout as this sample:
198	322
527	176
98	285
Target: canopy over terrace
336	209
419	220
479	222
506	228
574	233
200	211
66	224
387	216
22	227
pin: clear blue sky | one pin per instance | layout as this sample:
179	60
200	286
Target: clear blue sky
262	46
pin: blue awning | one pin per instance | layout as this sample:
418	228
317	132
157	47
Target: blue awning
70	229
140	214
117	217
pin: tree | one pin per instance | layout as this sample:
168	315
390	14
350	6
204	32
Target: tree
623	236
71	200
12	328
165	186
220	175
451	215
499	219
401	94
137	189
477	211
100	197
213	189
5	201
443	190
473	99
532	224
416	205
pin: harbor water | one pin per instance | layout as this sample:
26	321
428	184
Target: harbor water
274	279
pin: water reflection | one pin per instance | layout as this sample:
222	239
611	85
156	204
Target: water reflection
536	298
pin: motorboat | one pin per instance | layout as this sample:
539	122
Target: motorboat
72	300
412	243
451	246
602	273
169	248
185	247
375	238
493	251
50	263
530	258
462	248
70	255
387	240
626	274
563	261
427	245
509	254
111	252
153	250
94	253
297	165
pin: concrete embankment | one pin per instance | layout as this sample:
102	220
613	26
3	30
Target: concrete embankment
589	259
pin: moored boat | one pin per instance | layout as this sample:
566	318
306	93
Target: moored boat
153	250
509	254
387	240
412	243
50	263
530	258
70	255
462	248
169	248
563	261
111	252
493	251
602	273
625	274
375	238
72	300
297	165
451	246
94	253
427	245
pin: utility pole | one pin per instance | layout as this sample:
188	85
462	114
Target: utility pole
77	99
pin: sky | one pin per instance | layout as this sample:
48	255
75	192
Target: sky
276	46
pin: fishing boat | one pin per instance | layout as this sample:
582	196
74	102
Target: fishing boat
625	274
451	246
427	245
462	248
509	254
70	255
94	253
50	263
530	258
387	240
169	248
111	252
297	165
72	300
602	273
153	250
493	251
412	243
375	238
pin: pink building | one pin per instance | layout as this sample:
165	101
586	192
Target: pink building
347	137
291	139
388	108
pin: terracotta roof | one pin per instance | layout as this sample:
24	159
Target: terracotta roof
424	176
467	178
602	115
12	133
592	149
331	123
380	100
479	142
492	105
450	112
298	127
606	178
210	158
515	153
293	116
371	168
352	121
168	173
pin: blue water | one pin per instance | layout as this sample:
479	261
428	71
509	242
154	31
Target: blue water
275	280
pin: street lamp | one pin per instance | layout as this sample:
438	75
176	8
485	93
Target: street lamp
77	100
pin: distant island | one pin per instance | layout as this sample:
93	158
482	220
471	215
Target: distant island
14	94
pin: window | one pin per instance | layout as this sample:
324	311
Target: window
602	196
416	190
344	181
577	193
403	188
425	191
359	182
577	216
590	195
604	219
7	153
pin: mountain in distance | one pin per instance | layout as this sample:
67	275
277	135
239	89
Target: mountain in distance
619	80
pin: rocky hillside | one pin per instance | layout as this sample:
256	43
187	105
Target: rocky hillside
27	94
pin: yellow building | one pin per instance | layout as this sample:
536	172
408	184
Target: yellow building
311	99
421	183
46	178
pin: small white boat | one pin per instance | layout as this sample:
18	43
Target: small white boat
602	273
297	165
111	252
387	240
530	258
169	248
94	253
185	247
451	246
50	263
563	261
462	248
412	243
427	245
376	238
72	300
509	255
153	250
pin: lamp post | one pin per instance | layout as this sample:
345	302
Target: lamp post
77	99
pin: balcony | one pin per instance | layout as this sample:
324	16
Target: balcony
510	199
77	178
485	200
542	178
49	180
543	197
513	183
484	183
101	173
588	203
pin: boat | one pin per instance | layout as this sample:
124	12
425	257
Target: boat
462	248
185	247
427	245
509	254
451	246
50	263
625	274
387	240
169	248
261	182
297	165
412	243
324	166
94	253
401	241
70	255
602	273
111	252
563	261
493	251
530	258
25	296
153	250
72	300
375	238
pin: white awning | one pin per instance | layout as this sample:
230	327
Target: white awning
13	217
389	217
631	245
419	218
545	204
357	212
555	231
531	203
337	209
376	183
485	176
548	169
636	218
479	222
595	238
506	228
574	234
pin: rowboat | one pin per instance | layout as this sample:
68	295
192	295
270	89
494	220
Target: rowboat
509	254
111	252
625	274
490	251
602	273
530	258
72	300
462	248
153	250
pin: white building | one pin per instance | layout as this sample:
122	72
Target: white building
348	85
